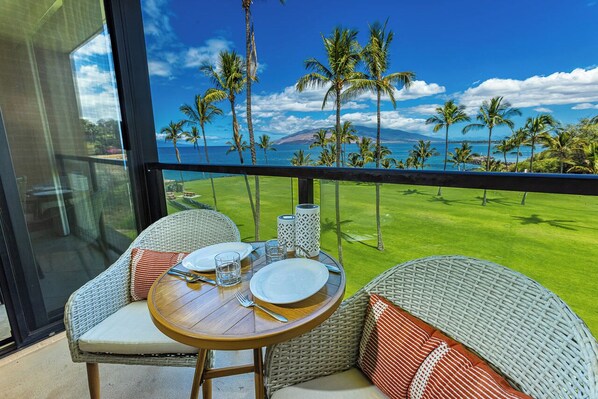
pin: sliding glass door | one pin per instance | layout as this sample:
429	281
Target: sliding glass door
68	211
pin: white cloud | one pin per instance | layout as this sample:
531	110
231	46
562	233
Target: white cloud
423	109
208	53
543	109
98	97
390	120
159	68
585	106
418	89
99	45
577	86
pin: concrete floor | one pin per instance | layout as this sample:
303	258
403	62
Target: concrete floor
45	371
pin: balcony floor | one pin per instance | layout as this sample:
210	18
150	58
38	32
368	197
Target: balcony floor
46	371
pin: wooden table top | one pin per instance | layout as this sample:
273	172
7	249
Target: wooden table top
210	317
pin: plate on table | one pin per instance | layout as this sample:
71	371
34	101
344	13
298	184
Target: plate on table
289	280
202	260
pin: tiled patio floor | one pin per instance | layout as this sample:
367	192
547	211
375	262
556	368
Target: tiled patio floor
45	371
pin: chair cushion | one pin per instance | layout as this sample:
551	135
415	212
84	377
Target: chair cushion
350	384
393	346
147	266
130	331
452	371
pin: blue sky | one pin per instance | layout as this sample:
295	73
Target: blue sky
542	56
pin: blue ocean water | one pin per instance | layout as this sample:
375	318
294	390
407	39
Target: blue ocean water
284	153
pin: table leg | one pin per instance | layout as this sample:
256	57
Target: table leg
258	362
199	370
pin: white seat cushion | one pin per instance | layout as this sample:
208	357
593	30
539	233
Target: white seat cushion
130	331
350	384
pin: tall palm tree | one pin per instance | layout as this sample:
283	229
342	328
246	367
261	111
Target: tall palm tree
561	145
447	115
320	139
229	77
204	111
347	137
490	115
237	145
535	128
503	147
173	132
343	54
266	144
251	70
376	57
517	138
300	158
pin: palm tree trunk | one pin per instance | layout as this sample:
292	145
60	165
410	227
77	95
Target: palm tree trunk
240	152
531	169
205	147
445	156
378	153
484	200
178	158
339	243
256	213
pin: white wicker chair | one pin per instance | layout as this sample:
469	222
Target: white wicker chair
525	331
108	292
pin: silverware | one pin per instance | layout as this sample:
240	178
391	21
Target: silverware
246	302
190	277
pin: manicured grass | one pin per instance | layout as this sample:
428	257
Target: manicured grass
553	238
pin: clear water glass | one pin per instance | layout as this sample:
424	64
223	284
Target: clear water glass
275	251
228	268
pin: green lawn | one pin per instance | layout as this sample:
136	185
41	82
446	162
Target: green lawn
552	239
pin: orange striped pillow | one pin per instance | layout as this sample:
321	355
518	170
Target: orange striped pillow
393	346
147	266
451	371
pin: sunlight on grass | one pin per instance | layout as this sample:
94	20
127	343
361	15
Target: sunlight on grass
552	239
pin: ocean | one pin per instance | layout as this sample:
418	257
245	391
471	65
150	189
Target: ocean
284	153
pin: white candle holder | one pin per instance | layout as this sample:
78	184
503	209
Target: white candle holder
307	230
286	231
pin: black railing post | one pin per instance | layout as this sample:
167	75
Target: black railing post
306	191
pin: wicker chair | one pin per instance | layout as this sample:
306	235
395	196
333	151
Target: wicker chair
525	331
108	292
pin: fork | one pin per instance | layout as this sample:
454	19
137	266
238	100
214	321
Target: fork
246	302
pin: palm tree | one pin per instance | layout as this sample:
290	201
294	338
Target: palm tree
266	145
343	53
412	160
238	145
228	76
462	156
422	151
201	112
594	120
503	147
327	156
376	56
173	132
561	145
301	159
590	161
517	138
320	139
365	150
355	160
347	137
490	115
535	128
446	116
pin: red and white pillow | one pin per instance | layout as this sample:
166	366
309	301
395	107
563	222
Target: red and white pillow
147	266
452	371
393	346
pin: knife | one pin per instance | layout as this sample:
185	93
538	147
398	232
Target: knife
194	277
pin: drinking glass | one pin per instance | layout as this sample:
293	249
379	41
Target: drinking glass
228	268
275	251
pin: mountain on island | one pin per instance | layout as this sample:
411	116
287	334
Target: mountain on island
387	136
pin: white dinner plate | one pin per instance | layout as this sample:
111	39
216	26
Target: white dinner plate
202	260
289	280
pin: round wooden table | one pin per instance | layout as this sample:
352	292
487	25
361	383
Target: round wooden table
209	317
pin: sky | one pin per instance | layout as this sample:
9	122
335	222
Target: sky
542	56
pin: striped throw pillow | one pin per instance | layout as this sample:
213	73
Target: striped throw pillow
393	346
452	371
147	266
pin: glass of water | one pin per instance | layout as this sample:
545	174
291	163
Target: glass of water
275	251
228	268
